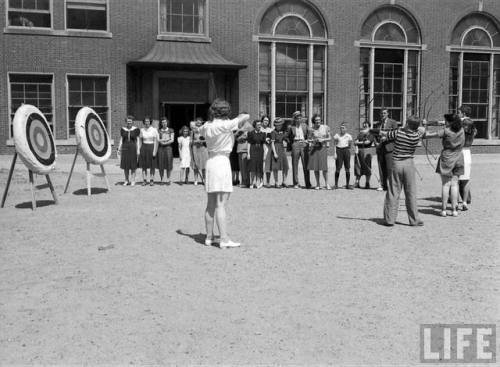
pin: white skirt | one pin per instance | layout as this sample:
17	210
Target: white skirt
218	174
467	164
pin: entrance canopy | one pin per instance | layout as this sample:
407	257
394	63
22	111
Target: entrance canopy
193	54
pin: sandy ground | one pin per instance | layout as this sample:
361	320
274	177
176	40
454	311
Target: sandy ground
122	277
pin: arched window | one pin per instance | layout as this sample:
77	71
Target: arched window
475	71
292	60
390	46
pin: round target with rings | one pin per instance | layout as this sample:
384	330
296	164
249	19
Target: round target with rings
92	137
33	139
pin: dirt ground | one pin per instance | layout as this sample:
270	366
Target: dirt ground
122	277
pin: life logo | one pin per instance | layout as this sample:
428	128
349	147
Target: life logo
458	343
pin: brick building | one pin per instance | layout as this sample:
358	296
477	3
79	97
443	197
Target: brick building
344	59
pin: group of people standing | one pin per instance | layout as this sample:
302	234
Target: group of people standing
263	151
150	149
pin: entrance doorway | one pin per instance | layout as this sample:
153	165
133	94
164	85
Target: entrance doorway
181	114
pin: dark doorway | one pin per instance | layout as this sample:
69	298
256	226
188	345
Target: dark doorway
181	114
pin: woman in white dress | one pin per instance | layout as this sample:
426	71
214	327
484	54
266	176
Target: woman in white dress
218	184
184	142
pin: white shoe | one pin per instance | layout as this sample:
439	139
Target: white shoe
209	242
455	213
196	183
380	189
443	213
132	183
229	244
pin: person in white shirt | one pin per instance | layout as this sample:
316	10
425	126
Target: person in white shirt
219	136
148	147
342	155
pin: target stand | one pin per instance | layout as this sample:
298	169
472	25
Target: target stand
36	147
93	143
89	175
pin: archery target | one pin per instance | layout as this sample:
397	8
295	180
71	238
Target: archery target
34	140
92	137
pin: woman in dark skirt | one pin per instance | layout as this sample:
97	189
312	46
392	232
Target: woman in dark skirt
266	127
279	160
256	140
148	143
319	136
235	164
128	148
363	159
451	160
165	156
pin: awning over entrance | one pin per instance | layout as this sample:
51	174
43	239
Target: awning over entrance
187	54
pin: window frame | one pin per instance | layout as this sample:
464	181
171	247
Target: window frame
406	47
9	26
172	35
461	50
9	96
106	31
274	40
108	98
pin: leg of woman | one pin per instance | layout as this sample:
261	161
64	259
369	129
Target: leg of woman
275	175
268	178
187	175
132	173
325	177
445	193
203	174
161	172
316	176
126	171
454	195
169	172
284	174
209	214
144	176
220	214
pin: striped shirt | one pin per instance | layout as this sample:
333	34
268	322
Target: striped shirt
405	143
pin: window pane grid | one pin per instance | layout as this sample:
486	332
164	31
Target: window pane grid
288	103
90	92
388	88
29	13
182	16
291	68
38	94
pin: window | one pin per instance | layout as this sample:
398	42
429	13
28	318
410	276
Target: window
86	15
29	13
89	91
475	72
389	65
292	57
33	89
182	16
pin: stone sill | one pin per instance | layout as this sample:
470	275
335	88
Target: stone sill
183	38
58	33
59	142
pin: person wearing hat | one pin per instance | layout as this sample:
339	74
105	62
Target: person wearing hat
402	176
297	138
279	160
451	160
384	149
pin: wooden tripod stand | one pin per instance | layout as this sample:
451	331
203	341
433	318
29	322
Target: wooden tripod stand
32	185
89	175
